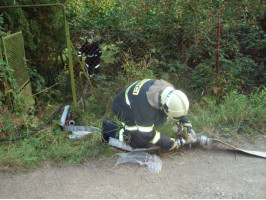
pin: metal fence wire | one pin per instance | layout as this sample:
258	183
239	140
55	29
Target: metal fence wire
15	57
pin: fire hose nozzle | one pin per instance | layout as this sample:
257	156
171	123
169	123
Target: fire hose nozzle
204	141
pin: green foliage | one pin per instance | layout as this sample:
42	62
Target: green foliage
1	26
110	52
183	33
9	94
16	123
44	94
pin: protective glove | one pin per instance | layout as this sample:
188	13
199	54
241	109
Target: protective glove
187	127
191	138
179	142
188	132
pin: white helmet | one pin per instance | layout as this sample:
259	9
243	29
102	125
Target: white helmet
174	102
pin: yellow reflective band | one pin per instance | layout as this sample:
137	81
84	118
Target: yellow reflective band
131	128
126	93
139	128
156	137
145	129
187	124
138	86
121	135
174	146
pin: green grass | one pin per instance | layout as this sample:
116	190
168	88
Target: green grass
48	145
236	114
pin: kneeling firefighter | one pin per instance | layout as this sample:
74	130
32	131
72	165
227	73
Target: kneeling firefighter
143	106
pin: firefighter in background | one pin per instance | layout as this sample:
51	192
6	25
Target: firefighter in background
143	106
91	50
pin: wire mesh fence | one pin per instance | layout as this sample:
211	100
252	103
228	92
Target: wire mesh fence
127	55
15	57
13	50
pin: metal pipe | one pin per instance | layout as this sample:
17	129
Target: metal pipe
33	5
64	115
218	46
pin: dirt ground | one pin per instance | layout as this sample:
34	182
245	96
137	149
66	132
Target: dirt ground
191	173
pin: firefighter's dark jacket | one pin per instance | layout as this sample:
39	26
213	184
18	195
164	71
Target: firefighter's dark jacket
138	108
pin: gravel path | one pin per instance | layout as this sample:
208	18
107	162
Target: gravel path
191	173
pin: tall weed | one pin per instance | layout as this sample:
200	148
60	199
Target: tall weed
236	114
